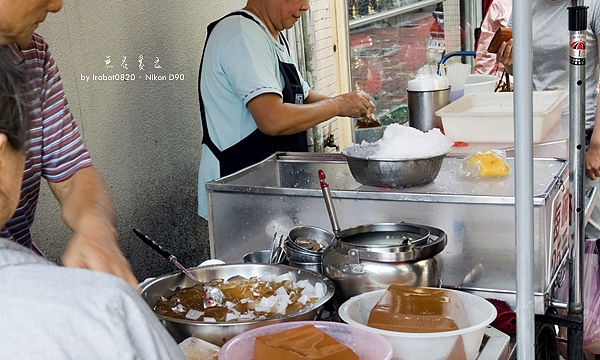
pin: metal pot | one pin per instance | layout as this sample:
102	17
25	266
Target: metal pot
371	257
220	332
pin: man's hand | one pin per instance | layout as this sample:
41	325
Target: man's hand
87	210
355	104
505	55
592	162
97	249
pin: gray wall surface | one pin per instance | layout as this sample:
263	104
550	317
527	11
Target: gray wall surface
143	134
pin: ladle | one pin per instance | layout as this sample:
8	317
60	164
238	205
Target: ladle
397	236
212	296
329	204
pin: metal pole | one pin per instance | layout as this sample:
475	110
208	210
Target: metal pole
523	119
577	59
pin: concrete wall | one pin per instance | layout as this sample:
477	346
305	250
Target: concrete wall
144	135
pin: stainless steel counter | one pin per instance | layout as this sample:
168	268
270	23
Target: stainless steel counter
247	208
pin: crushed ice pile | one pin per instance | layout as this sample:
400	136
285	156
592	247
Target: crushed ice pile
281	299
404	142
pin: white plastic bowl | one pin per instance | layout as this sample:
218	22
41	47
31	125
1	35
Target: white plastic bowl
424	346
367	345
480	83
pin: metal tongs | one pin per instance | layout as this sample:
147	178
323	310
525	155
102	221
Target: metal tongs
212	296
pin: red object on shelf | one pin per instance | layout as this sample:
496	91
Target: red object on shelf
506	320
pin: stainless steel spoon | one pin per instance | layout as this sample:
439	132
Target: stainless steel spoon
212	296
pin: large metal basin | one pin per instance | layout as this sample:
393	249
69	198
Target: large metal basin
220	332
391	173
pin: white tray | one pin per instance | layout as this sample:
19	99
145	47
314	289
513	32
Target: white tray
488	117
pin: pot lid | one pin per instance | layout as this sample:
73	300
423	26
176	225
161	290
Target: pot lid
397	237
393	242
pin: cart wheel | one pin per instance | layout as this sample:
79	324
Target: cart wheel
545	342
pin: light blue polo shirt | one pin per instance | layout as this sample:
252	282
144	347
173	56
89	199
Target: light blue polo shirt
240	63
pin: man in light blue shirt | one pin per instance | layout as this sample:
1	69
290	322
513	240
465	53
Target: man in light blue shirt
253	101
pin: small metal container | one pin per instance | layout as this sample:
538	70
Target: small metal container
422	106
260	257
319	237
298	256
316	267
300	241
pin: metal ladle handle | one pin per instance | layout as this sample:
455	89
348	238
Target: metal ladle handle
164	253
329	204
211	297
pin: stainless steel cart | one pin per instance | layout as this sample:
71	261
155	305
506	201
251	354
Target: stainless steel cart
246	209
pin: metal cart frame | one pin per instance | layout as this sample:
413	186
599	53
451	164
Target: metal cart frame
522	11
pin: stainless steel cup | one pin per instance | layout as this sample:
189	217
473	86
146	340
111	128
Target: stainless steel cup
260	257
422	106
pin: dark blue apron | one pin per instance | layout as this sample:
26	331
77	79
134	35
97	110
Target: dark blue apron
257	146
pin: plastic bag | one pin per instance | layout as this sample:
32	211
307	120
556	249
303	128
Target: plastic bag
485	163
591	297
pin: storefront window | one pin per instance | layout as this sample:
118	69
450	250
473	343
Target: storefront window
388	46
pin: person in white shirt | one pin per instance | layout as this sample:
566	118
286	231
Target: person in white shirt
49	311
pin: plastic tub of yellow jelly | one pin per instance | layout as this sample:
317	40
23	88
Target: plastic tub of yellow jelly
486	163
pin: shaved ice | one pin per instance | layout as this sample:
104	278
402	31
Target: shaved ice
405	142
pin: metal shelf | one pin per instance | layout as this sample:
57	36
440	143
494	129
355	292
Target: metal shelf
356	23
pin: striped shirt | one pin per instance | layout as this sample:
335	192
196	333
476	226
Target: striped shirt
54	148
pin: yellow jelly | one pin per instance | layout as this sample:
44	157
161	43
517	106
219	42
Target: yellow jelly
490	164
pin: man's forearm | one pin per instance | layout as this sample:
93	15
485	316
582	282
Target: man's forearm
84	198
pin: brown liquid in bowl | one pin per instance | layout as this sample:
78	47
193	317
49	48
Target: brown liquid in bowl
241	294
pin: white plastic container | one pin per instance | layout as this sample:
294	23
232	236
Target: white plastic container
424	346
367	345
480	83
488	117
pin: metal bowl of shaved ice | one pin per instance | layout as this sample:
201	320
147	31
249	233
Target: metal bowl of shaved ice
404	157
219	333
